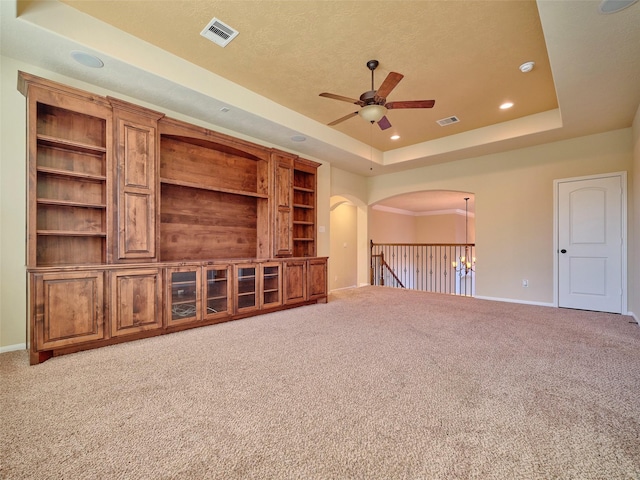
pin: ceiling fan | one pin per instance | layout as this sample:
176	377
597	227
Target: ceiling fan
374	102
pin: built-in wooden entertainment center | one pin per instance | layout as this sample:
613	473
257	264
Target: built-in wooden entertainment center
141	225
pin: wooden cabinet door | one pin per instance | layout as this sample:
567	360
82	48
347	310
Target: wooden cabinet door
246	288
136	301
136	180
295	281
317	278
68	309
217	291
283	241
271	283
184	297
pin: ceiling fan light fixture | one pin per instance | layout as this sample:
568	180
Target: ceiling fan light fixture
372	113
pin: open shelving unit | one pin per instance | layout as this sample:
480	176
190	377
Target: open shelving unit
304	210
71	194
209	188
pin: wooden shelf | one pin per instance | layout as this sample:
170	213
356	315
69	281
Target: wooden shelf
301	222
50	141
67	203
70	233
303	239
188	301
304	189
220	297
212	189
69	173
300	205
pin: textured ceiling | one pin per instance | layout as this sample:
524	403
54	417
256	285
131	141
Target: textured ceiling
463	54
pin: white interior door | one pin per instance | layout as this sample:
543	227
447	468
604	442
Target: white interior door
590	244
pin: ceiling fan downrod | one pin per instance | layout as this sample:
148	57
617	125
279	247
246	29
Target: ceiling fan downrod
372	65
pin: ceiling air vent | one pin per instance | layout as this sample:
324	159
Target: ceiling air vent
447	121
219	32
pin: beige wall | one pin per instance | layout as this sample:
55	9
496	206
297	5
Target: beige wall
445	228
388	227
514	205
634	200
13	278
344	247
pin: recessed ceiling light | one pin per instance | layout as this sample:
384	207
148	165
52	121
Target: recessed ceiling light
613	6
506	105
527	67
87	59
395	137
298	138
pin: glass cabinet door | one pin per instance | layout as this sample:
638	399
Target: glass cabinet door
246	288
271	284
217	285
183	295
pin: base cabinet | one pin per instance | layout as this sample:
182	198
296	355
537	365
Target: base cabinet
136	301
75	309
68	309
305	280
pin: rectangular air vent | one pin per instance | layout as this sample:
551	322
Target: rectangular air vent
219	32
447	121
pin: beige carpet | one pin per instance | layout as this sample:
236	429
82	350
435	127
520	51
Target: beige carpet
377	384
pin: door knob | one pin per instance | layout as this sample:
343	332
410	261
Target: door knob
563	251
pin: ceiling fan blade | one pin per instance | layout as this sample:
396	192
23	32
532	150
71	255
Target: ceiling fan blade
384	123
389	84
411	104
342	119
344	99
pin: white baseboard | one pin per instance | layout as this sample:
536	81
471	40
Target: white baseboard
364	285
511	300
634	316
13	348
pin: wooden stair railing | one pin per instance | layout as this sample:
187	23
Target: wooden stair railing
383	265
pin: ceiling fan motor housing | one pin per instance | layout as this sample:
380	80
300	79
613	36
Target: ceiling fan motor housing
370	98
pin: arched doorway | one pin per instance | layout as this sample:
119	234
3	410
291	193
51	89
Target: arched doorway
348	254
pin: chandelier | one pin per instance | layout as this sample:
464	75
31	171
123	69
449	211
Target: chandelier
466	262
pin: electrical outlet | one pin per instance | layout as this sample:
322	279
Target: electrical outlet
525	283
